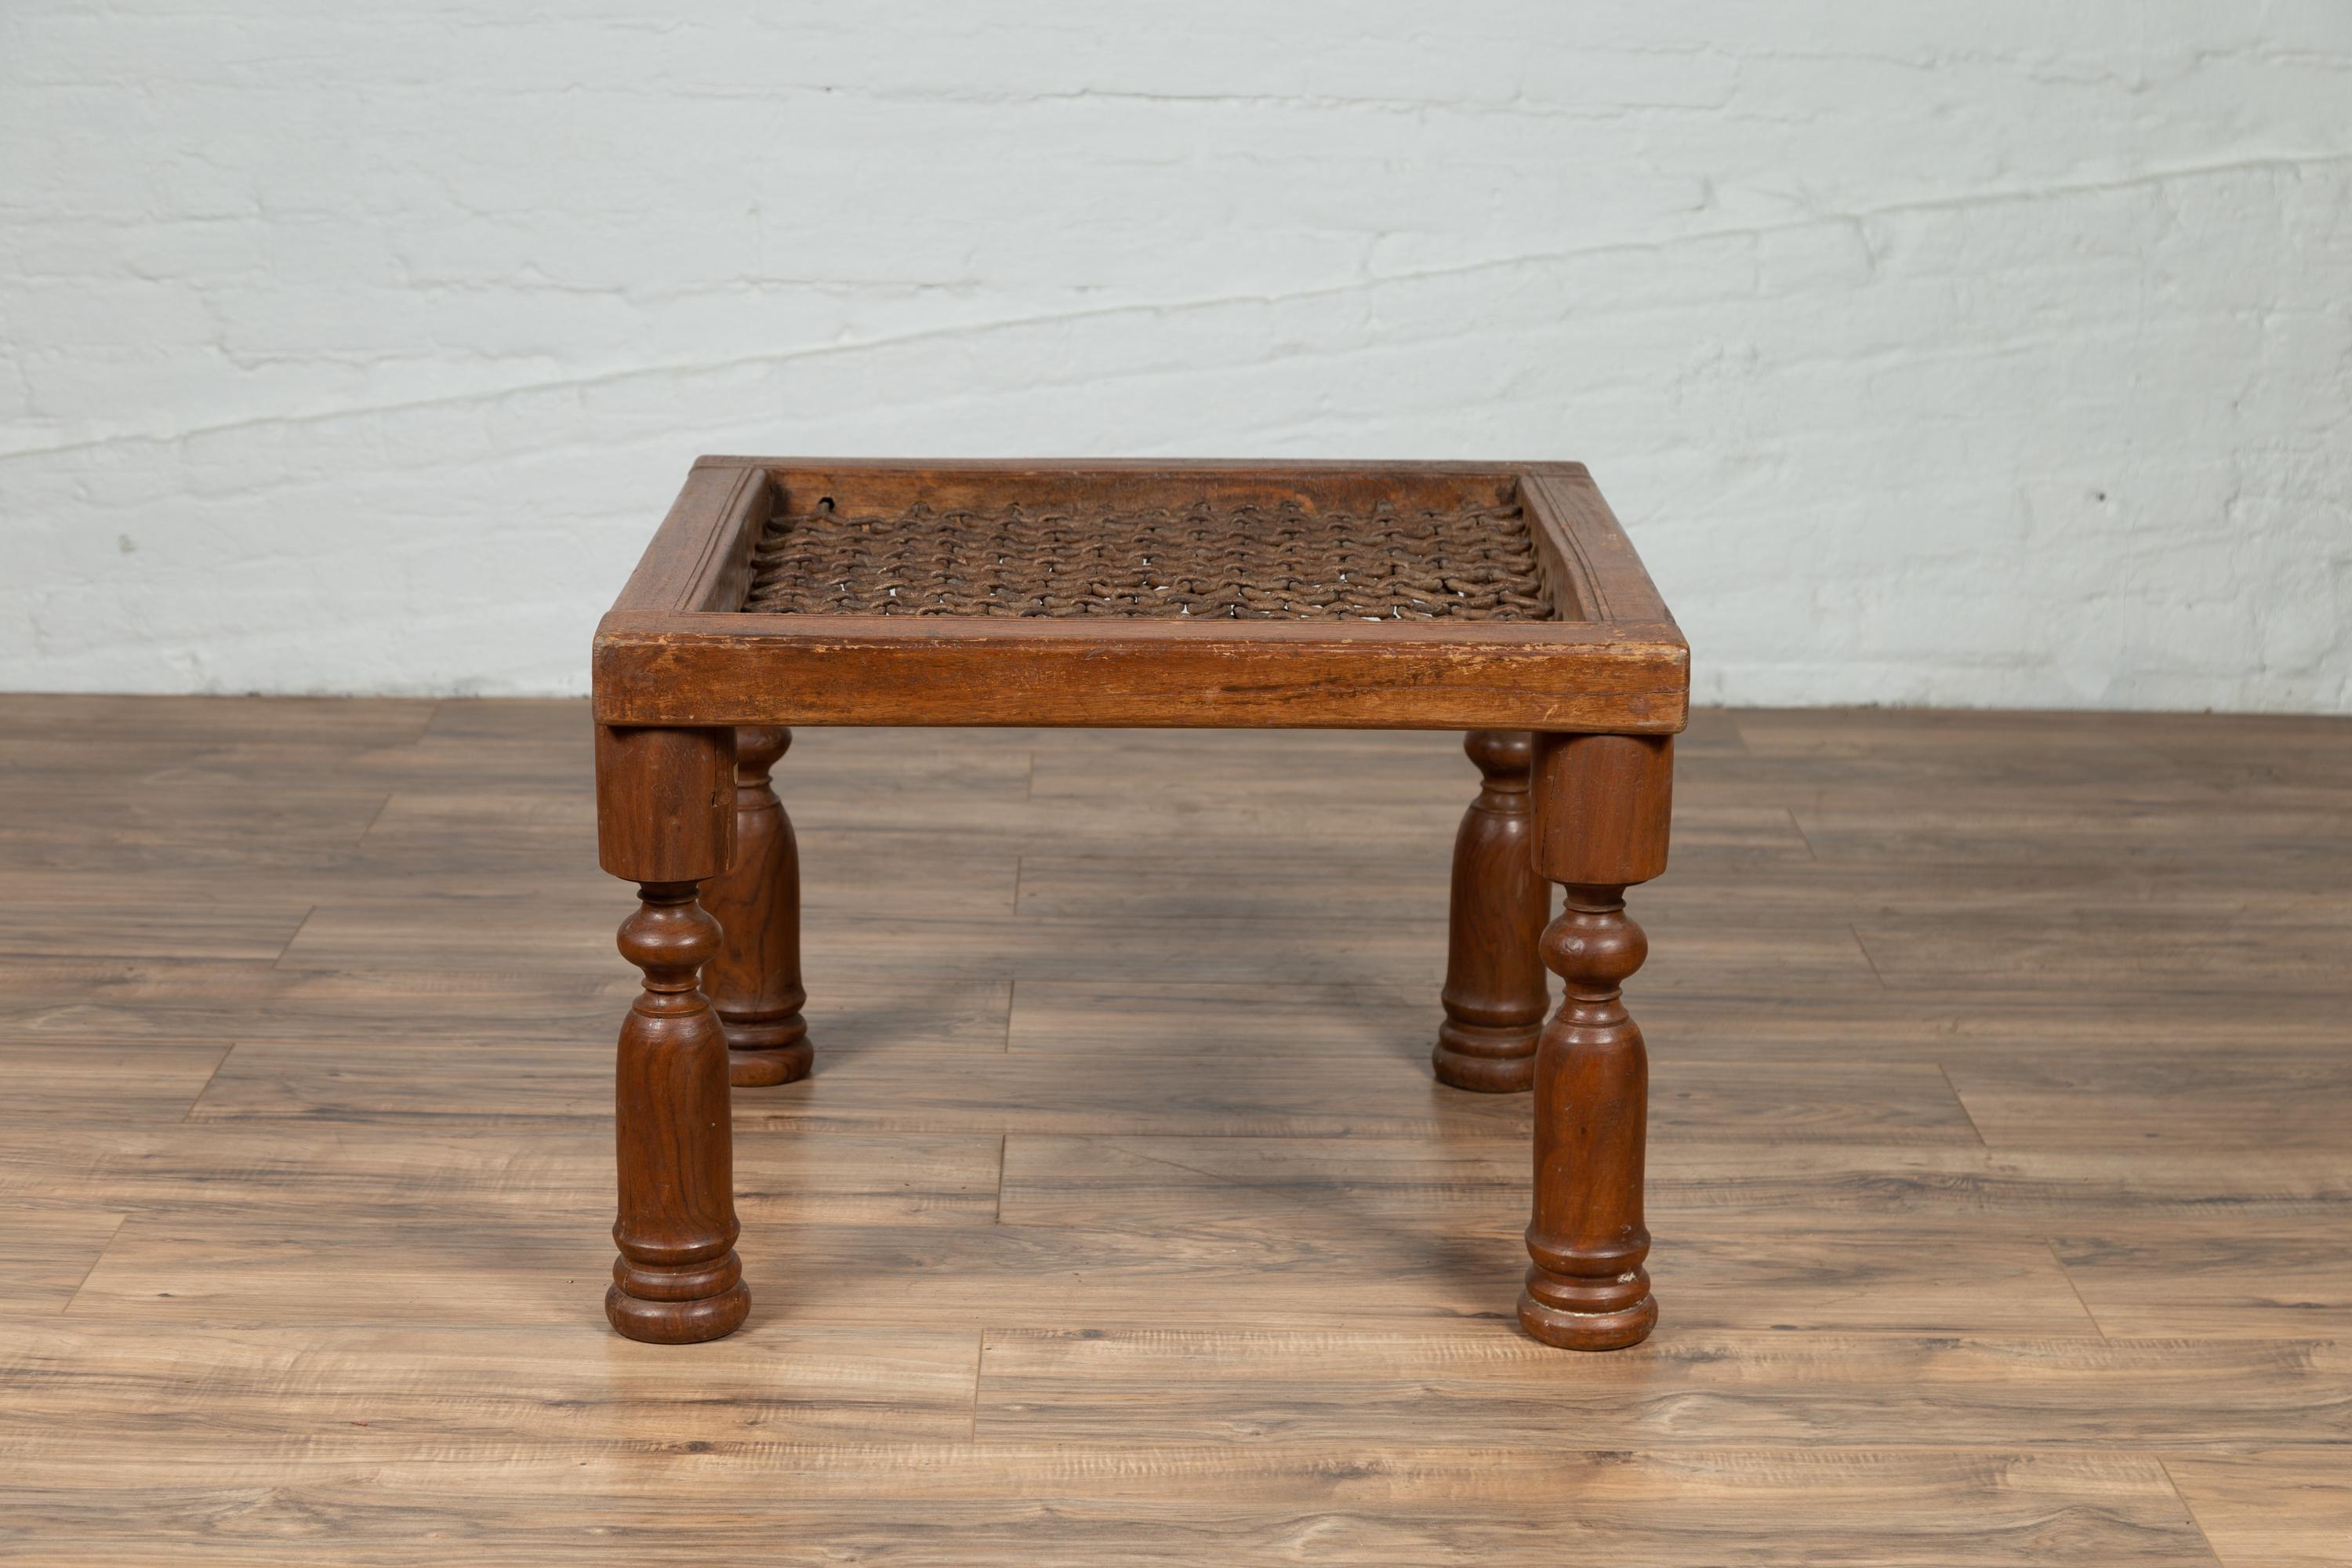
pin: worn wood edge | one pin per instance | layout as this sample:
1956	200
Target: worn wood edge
1570	511
710	669
723	539
722	581
1149	465
892	485
1575	596
687	555
751	631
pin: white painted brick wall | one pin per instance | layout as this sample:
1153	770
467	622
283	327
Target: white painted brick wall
1996	352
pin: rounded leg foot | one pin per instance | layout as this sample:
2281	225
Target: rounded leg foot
1485	1061
752	1063
679	1323
1573	1331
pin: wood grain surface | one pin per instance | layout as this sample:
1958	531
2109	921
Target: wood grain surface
1997	1163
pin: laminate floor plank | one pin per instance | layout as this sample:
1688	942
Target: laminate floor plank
339	722
2287	1279
2172	950
147	927
1952	1024
460	928
934	1506
1345	885
917	1009
1211	1018
49	1252
927	939
931	1091
2175	1096
191	1264
45	1081
122	828
1246	1385
290	1172
338	1011
2292	845
313	1394
1774	882
1093	1180
2283	1507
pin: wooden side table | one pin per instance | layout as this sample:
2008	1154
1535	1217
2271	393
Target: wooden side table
1501	599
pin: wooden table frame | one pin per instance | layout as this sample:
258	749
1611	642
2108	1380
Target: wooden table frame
1571	722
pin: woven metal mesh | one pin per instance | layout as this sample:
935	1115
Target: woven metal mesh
1212	561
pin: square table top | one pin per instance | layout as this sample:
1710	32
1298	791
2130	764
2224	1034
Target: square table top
1413	595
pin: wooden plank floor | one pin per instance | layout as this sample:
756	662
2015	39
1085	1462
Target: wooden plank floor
2002	1163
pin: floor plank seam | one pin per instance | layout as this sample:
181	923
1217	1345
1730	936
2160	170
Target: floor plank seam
979	1364
1802	836
382	807
188	1116
1961	1102
1863	948
2191	1509
2068	1275
276	963
119	1221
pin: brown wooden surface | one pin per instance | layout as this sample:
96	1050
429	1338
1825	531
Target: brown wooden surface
698	559
677	1280
716	669
1602	806
665	802
1587	547
1496	993
754	979
2000	1068
673	651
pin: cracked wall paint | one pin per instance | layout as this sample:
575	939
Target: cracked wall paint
1956	355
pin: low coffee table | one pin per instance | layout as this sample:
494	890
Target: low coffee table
1500	598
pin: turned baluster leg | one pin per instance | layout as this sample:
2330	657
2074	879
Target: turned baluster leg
1496	991
754	982
1601	804
666	819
